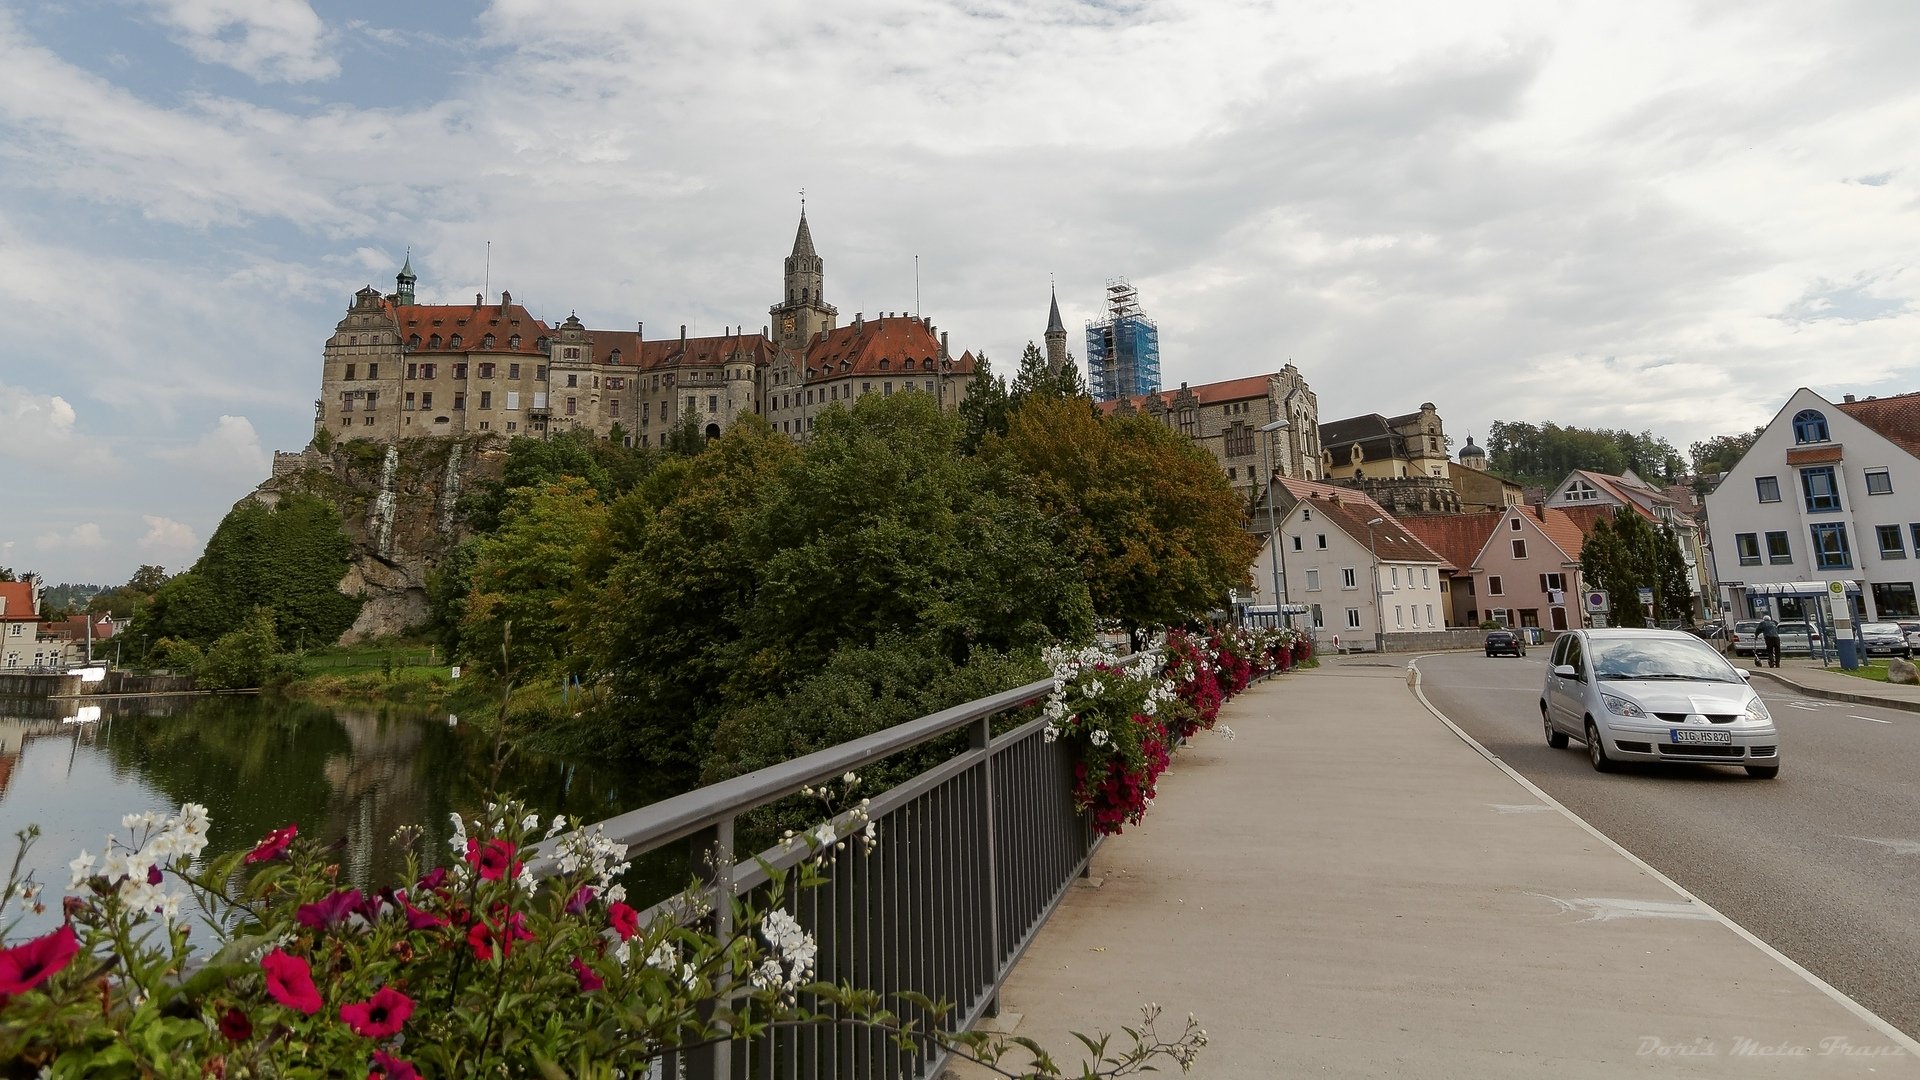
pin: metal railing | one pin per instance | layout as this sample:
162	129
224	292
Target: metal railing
970	858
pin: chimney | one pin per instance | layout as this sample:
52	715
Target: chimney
859	320
683	335
1540	509
763	330
1848	398
640	331
479	299
928	323
944	353
506	298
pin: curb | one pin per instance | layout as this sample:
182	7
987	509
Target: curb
1861	1012
1900	704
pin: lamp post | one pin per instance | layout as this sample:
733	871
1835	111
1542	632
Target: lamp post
1379	614
1273	531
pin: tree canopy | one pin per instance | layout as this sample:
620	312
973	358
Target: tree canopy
1626	553
1543	454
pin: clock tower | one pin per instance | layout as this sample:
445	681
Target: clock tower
805	311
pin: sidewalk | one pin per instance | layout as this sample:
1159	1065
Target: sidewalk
1347	889
1807	677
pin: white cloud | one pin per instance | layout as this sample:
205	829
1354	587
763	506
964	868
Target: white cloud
269	40
43	428
167	535
83	537
230	447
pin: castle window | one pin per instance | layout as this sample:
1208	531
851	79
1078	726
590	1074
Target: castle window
513	342
927	364
487	342
486	371
455	343
459	371
486	399
459	402
413	371
571	352
613	409
426	371
883	365
433	342
373	372
513	371
540	372
613	357
408	406
349	371
571	406
426	399
413	341
573	380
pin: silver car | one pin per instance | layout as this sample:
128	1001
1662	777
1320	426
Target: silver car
1655	695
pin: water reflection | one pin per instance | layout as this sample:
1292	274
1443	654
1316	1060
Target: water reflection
349	774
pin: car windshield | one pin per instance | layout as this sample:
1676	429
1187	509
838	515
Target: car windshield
1891	629
1659	658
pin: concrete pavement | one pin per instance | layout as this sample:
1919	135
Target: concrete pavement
1810	678
1349	889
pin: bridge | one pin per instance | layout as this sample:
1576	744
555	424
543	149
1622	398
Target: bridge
1348	886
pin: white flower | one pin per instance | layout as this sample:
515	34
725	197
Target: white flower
559	823
825	834
458	841
623	952
850	779
82	869
1049	733
193	819
530	823
113	865
1150	707
1225	732
1096	688
1099	737
661	957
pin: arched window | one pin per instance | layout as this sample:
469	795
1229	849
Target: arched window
613	357
455	343
433	342
1809	426
413	342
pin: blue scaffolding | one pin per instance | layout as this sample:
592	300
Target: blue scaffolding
1123	350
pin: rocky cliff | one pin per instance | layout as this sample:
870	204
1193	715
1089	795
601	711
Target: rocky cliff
399	505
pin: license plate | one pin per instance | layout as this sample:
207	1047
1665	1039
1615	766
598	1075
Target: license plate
1700	736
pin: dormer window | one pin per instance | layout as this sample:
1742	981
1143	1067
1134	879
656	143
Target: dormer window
413	341
883	365
487	342
433	342
1809	426
513	342
455	342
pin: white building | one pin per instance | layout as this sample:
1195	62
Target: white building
1830	492
1338	549
1585	488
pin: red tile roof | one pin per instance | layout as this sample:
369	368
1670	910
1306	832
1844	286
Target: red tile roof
1350	510
1624	492
1897	418
1562	529
1457	537
902	343
1583	517
1253	386
18	597
711	351
473	324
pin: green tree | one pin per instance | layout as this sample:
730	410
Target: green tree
1544	454
524	573
983	411
686	439
1722	452
246	656
6	574
1625	554
1157	530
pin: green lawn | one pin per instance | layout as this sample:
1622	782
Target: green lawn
1872	670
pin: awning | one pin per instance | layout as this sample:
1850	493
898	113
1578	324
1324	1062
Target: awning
1798	588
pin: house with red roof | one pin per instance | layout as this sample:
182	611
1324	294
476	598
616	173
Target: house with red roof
20	625
1363	575
1516	567
1233	419
1829	492
396	368
1593	494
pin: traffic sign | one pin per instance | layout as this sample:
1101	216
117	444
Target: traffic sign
1597	600
1646	595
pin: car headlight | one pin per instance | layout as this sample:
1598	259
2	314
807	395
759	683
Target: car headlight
1620	706
1757	710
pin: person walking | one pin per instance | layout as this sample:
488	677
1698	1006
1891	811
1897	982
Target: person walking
1770	640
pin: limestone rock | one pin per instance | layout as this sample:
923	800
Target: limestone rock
1902	671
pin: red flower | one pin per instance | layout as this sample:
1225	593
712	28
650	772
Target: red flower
31	963
577	903
433	879
589	982
625	920
274	845
495	860
387	1066
380	1016
235	1025
422	920
331	912
290	982
480	940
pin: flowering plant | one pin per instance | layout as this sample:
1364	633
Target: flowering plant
1116	717
474	968
1192	668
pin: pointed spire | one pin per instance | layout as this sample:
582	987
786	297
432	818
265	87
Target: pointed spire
406	268
1054	325
803	240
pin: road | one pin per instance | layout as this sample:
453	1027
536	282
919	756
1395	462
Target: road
1822	863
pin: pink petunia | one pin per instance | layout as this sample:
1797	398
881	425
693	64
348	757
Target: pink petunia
624	920
332	911
589	982
387	1067
290	982
380	1016
274	845
31	963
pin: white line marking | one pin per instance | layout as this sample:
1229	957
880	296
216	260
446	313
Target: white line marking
1605	909
1520	808
1869	719
1898	1037
1898	847
1804	708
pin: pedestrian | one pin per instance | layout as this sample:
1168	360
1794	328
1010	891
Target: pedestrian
1770	640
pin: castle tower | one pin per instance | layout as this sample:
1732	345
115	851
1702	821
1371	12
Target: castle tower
1056	336
404	281
805	311
1473	457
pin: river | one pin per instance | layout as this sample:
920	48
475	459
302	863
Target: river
350	774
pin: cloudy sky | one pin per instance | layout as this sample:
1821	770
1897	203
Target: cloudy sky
1662	214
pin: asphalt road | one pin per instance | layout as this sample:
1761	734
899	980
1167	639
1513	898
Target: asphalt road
1822	863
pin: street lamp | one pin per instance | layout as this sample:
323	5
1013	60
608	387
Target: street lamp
1273	531
1379	611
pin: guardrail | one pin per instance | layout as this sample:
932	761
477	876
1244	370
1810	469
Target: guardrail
971	857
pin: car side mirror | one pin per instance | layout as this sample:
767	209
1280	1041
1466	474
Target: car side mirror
1565	671
1744	673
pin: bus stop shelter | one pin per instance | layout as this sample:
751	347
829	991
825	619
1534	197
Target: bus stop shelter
1811	595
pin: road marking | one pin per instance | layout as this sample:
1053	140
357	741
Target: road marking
1895	1035
1806	708
1869	719
1898	847
1520	808
1604	909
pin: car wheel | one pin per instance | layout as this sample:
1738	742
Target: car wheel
1489	653
1597	750
1555	739
1763	772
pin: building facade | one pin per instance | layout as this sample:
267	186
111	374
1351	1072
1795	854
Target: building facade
1518	566
1375	447
1828	492
1358	570
1123	350
1227	417
1585	490
1480	490
396	369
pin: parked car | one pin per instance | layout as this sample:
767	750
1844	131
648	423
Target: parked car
1505	643
1884	639
1796	638
1911	628
1655	695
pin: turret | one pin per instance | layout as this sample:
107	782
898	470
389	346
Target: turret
803	311
404	281
1056	336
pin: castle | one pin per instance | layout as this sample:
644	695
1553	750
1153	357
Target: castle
397	369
